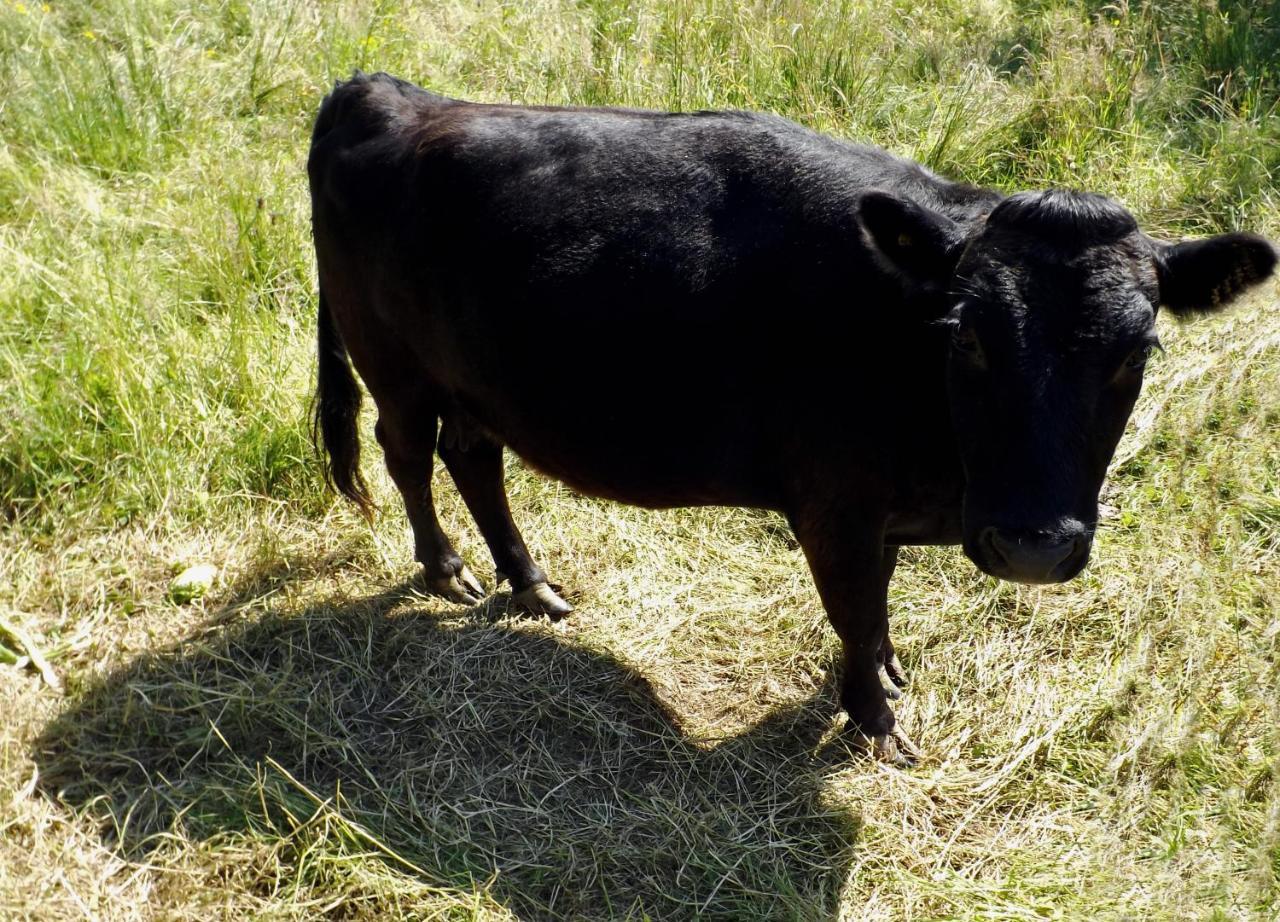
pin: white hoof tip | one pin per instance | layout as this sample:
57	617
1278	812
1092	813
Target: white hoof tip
541	599
470	583
891	688
462	588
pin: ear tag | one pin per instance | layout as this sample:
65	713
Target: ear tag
905	241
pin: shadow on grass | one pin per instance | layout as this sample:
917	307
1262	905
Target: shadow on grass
480	751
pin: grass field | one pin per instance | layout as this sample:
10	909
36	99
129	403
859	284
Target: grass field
317	739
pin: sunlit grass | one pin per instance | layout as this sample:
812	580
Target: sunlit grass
311	740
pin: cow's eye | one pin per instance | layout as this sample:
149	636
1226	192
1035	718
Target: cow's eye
964	341
1138	357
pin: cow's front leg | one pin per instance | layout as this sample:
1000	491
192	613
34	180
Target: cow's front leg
846	555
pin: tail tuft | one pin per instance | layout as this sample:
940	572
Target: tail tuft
335	415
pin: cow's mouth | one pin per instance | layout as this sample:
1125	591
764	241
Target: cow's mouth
1034	556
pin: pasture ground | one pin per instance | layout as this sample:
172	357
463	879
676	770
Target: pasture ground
317	739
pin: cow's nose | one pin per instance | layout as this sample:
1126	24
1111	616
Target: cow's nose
1037	557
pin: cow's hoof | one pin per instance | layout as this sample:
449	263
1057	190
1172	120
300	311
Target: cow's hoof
541	599
895	748
461	587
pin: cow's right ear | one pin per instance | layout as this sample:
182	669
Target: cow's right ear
917	244
1201	276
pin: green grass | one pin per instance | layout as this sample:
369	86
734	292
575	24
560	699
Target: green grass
317	739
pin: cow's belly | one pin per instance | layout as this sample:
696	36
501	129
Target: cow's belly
936	526
647	461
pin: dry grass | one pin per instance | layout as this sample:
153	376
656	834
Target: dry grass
317	739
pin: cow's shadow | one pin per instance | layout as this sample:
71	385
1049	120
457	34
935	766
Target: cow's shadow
483	751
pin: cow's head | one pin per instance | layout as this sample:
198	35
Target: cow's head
1051	305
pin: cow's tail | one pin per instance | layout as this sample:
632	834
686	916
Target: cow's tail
335	414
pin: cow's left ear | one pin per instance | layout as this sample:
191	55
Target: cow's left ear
1207	275
919	245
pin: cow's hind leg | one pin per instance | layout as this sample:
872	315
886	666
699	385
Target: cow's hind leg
892	676
474	461
406	429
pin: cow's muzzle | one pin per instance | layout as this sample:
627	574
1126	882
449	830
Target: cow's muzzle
1034	556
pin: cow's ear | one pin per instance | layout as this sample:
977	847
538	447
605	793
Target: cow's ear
1207	275
919	245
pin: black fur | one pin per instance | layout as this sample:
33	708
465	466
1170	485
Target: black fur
1071	220
335	414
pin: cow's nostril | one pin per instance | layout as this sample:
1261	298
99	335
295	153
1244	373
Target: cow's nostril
992	542
1051	553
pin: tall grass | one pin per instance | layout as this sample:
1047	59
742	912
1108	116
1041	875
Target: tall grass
1109	748
156	227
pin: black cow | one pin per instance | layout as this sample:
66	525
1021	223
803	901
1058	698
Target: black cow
725	308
